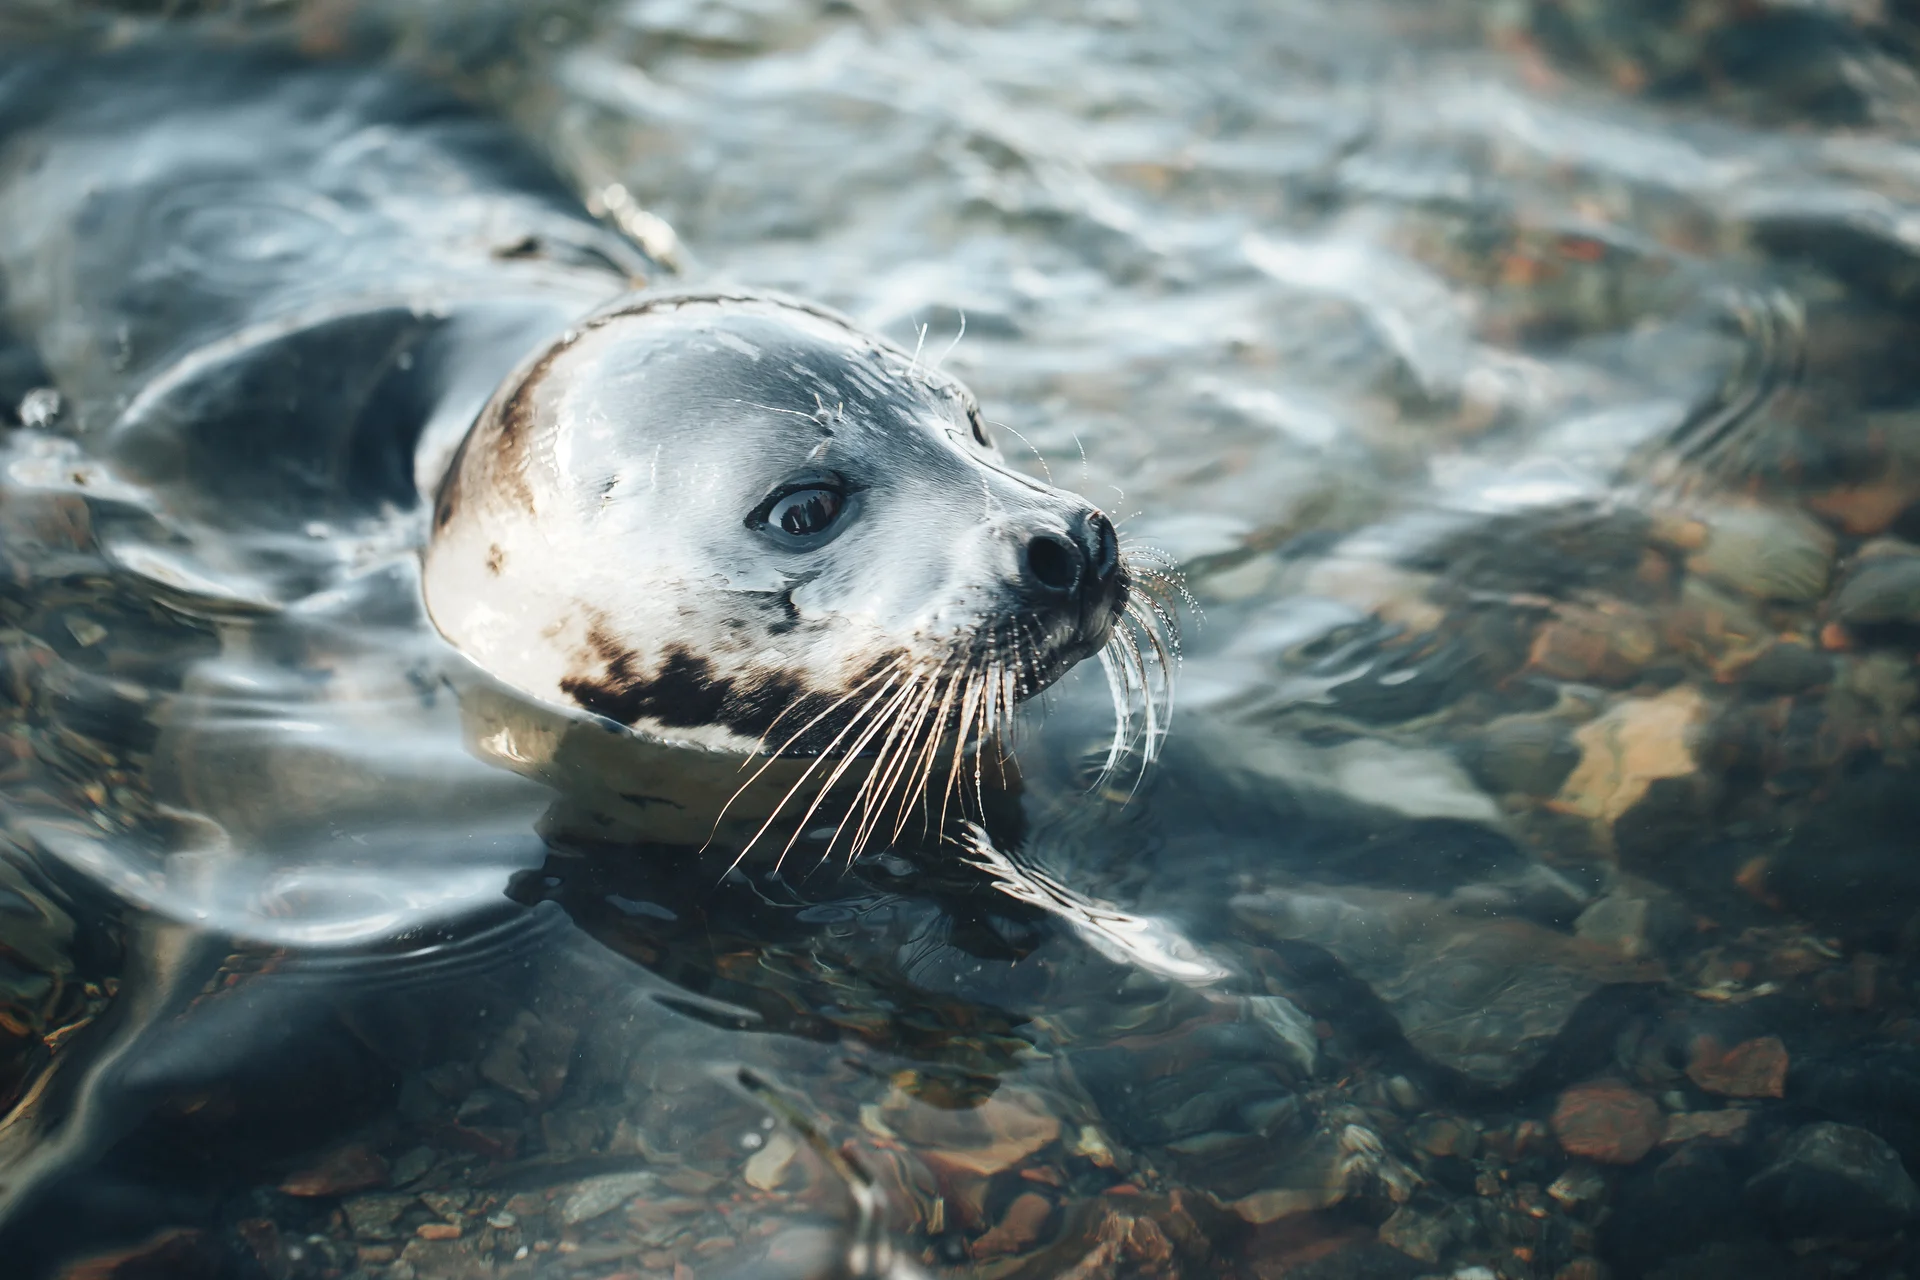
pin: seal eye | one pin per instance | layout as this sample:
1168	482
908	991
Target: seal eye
979	428
805	512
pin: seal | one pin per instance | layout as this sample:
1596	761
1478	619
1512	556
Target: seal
735	522
341	399
667	532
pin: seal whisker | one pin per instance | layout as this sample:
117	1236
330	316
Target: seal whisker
880	719
852	722
1005	691
895	756
947	722
1149	738
1039	457
913	367
775	755
1158	587
1167	624
801	732
800	702
988	697
1159	622
875	707
1010	696
955	343
970	676
1136	660
895	752
1140	559
897	790
930	751
1165	656
962	716
885	720
795	413
1122	715
1032	658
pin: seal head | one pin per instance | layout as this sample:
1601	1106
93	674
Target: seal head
736	522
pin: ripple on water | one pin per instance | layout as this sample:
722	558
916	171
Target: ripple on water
1527	392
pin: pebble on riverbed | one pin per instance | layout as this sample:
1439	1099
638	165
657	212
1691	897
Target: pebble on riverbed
353	1167
1638	742
1883	587
1754	1068
1607	1121
1767	553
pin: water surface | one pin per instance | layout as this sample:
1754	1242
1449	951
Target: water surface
1527	393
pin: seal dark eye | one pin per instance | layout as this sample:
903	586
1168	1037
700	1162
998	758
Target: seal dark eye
979	428
805	512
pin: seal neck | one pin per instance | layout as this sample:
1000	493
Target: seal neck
616	787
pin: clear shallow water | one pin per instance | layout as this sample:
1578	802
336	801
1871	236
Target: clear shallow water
1512	754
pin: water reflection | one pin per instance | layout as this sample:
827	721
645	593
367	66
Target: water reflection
1527	393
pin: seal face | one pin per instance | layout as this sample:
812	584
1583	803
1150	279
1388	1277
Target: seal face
734	521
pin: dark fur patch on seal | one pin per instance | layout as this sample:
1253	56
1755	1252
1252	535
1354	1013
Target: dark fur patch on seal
495	559
447	500
513	419
686	692
517	412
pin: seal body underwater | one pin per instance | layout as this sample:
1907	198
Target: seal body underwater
279	297
358	401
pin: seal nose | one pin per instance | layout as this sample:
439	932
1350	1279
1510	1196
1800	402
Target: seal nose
1054	564
1084	564
1103	548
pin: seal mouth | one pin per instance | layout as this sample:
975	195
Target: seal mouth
1075	590
1040	662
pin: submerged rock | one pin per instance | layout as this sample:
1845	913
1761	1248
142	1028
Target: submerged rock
1524	754
1883	588
1426	1236
1765	552
1637	920
1875	1085
1754	1068
1671	1208
1639	742
589	1199
1710	1126
354	1167
1607	1121
1835	1180
1785	666
1336	1161
1487	998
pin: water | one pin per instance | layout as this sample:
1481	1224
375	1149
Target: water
1526	391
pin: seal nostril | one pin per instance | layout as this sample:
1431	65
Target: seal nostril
1053	562
1105	547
